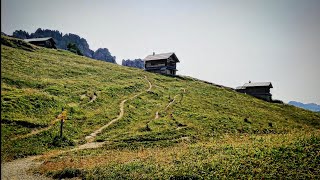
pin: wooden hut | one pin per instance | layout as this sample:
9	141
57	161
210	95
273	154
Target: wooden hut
164	63
259	90
47	42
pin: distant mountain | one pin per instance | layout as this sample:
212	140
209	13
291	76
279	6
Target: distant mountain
103	54
137	63
310	106
2	33
63	40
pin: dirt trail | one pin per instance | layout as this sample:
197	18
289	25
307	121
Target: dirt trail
170	103
174	99
157	113
18	169
90	145
150	85
91	137
37	131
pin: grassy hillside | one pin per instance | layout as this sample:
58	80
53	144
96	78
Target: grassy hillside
202	131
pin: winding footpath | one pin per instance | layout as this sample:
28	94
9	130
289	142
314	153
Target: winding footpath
92	136
34	132
18	169
37	131
169	104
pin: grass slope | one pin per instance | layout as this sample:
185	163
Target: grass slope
206	131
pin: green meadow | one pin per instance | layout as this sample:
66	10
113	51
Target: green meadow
202	131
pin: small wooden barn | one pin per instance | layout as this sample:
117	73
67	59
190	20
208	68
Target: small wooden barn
259	90
164	63
47	42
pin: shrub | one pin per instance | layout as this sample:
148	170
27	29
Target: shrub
277	101
68	173
61	142
74	48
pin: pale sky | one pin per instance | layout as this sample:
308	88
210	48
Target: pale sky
227	42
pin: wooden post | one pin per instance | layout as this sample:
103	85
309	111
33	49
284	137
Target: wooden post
62	117
61	126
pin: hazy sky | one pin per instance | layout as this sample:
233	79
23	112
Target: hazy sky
227	42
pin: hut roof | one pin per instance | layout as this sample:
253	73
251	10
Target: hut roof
161	56
39	39
258	84
240	87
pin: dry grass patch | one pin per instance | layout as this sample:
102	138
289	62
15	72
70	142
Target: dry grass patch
209	151
78	161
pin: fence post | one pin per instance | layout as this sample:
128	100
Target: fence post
62	117
61	126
